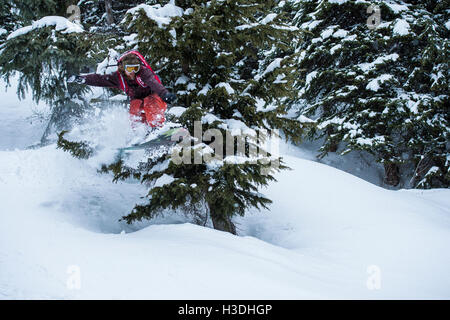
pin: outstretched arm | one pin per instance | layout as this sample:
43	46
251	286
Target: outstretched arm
101	80
98	80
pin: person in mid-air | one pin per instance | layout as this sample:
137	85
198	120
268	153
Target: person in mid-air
137	79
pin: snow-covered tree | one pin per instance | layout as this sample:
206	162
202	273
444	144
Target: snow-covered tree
215	56
44	48
7	19
32	10
94	15
375	76
44	54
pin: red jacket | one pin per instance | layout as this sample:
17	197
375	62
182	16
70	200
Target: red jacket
149	84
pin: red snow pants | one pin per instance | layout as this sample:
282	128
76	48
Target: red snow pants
149	110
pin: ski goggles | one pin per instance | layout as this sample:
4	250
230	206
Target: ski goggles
132	68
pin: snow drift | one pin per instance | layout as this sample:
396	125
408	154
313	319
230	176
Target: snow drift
325	230
327	234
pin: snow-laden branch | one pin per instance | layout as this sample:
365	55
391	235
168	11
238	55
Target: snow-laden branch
61	24
161	15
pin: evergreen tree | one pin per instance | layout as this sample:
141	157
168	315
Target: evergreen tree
32	10
7	18
49	58
45	51
215	57
93	14
377	79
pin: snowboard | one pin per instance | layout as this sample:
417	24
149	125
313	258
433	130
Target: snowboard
162	139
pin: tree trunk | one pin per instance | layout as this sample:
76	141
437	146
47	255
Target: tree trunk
109	13
333	145
391	174
222	223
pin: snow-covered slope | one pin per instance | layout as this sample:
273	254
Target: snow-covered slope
20	126
325	229
327	234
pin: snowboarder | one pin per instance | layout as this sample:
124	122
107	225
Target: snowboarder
137	79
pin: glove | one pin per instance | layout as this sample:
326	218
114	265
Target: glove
75	79
169	97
